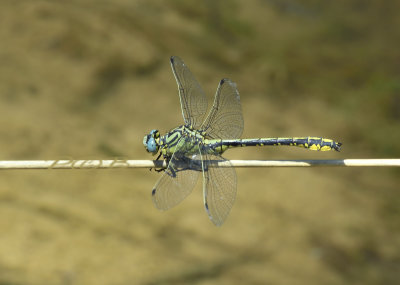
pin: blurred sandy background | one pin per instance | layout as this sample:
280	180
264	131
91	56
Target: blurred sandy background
89	78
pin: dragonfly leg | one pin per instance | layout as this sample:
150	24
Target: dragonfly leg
158	170
167	159
186	163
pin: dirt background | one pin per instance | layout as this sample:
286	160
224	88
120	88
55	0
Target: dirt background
89	78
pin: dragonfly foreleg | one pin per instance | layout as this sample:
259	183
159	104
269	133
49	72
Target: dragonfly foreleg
162	169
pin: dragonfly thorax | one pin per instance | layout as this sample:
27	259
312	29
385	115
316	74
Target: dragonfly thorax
182	135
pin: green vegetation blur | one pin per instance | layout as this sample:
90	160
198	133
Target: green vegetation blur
88	79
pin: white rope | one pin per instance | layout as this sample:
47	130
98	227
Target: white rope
121	163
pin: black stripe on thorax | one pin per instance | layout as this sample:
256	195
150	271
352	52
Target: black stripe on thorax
172	138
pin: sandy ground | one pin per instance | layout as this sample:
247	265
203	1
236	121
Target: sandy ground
88	79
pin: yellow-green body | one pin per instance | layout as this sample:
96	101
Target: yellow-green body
193	142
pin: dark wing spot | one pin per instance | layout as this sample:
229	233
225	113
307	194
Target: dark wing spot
153	192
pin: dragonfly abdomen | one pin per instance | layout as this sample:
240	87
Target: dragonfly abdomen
313	143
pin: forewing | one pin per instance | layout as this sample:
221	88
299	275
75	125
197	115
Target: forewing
219	189
225	120
178	180
192	97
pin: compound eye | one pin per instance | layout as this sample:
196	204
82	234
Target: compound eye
151	145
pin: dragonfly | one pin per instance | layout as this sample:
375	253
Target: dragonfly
190	150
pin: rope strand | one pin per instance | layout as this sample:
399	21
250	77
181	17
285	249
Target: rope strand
121	163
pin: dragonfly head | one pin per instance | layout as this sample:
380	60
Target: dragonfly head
151	142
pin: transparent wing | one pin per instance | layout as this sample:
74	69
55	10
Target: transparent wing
192	97
178	180
225	120
219	189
